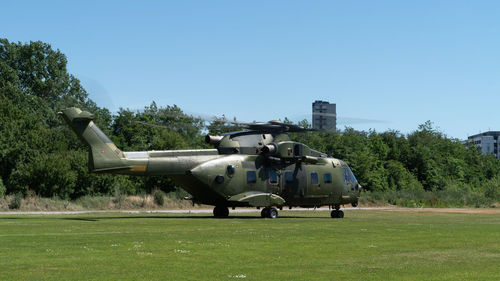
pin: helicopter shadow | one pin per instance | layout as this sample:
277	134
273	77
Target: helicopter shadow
93	219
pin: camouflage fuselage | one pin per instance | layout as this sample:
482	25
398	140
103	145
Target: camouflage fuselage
244	169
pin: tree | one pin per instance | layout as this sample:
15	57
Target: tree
34	140
39	152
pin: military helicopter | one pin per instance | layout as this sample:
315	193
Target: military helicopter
257	167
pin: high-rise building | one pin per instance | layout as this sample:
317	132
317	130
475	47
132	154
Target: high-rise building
487	142
324	116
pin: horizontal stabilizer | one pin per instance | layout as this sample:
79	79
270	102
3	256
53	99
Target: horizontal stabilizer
83	116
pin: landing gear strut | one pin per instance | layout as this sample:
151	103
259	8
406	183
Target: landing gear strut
269	212
221	212
337	213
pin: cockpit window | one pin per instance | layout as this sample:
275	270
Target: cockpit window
348	174
344	173
353	178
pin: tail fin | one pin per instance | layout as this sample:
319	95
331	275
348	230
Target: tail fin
103	153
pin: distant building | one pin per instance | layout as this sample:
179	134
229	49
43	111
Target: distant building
324	116
487	142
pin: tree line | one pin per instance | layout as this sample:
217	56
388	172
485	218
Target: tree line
39	154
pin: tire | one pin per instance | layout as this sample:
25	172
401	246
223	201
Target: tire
264	213
273	213
221	212
337	214
334	214
340	214
224	212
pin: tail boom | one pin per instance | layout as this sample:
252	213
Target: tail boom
105	157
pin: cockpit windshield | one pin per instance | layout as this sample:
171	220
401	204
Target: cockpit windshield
353	178
348	174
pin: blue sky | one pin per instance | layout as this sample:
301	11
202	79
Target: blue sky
403	62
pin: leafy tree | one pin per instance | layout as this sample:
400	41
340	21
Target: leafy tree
47	175
220	125
38	152
34	142
399	178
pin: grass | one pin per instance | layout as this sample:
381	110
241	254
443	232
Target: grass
365	245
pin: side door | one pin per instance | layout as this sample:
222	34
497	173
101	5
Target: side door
274	184
294	182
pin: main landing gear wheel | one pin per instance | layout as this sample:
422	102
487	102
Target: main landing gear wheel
221	212
264	212
337	214
271	213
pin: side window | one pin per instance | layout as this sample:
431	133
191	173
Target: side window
289	176
251	177
314	178
327	178
273	177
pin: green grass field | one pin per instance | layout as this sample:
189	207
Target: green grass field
365	245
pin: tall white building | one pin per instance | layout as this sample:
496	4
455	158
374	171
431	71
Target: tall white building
487	142
324	116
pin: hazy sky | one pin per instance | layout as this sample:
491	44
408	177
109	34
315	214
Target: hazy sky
403	62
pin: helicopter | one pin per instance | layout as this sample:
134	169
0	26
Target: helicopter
258	167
